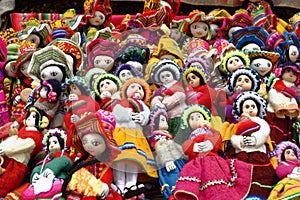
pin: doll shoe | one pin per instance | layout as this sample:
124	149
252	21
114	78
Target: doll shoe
134	190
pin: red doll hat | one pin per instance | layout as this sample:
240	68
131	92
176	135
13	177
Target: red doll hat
291	65
91	6
246	127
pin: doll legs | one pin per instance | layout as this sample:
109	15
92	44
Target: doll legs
119	175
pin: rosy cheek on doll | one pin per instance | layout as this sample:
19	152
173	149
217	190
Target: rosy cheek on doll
136	91
234	63
98	19
249	107
199	29
262	66
289	75
245	82
293	53
166	77
54	143
289	155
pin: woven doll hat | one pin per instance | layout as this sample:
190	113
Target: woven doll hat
288	65
9	36
57	132
71	19
272	56
294	21
201	67
155	113
12	51
101	122
49	56
257	98
43	30
198	46
3	53
251	73
163	65
130	68
279	149
251	34
191	109
167	44
139	81
101	47
242	20
78	80
92	74
91	6
195	16
277	43
104	76
71	48
292	39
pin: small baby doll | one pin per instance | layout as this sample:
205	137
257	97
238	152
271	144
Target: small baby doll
249	141
47	178
206	171
101	54
18	149
49	97
79	101
132	114
169	155
107	90
91	176
282	106
171	94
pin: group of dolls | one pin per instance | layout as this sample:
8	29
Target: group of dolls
200	108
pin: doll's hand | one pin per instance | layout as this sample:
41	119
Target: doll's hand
74	118
15	124
170	166
105	94
103	191
137	117
249	141
73	97
203	147
296	170
2	152
16	100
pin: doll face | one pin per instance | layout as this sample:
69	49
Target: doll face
43	92
93	143
289	155
289	75
98	19
175	34
196	120
104	62
163	124
262	66
135	90
125	75
30	120
34	38
234	62
108	85
249	106
54	144
214	30
138	66
193	80
52	72
199	29
24	68
9	69
293	53
166	77
251	46
245	82
74	89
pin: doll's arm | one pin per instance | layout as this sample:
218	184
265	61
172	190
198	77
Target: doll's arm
122	114
172	101
263	133
20	145
237	142
157	102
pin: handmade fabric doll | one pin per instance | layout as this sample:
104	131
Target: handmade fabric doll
18	149
80	103
287	154
250	141
282	106
207	172
171	94
49	97
126	71
196	77
91	176
169	155
4	114
47	178
131	115
292	54
101	54
107	89
240	80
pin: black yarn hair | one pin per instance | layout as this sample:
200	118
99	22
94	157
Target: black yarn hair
256	103
56	86
81	88
289	147
199	76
